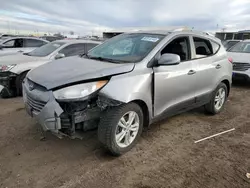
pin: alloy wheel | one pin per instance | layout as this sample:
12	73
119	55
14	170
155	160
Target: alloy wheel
127	129
220	98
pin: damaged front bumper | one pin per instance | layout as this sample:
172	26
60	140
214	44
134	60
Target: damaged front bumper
7	80
41	105
62	118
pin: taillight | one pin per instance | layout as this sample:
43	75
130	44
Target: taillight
230	60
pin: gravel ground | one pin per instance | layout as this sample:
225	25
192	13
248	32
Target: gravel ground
166	155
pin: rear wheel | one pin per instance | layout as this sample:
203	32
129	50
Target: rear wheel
218	99
19	82
121	127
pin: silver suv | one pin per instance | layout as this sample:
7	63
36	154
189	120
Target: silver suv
127	83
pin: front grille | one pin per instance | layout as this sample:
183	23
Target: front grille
241	66
36	105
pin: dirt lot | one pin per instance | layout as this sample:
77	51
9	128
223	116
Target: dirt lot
166	155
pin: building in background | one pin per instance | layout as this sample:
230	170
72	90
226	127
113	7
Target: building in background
233	35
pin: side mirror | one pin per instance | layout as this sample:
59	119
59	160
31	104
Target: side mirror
59	56
169	59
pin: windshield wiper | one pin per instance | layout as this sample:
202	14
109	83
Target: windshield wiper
83	54
26	54
104	59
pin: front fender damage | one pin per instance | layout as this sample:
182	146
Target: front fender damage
105	102
80	116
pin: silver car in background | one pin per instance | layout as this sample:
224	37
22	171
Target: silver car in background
229	43
129	82
13	68
15	45
240	56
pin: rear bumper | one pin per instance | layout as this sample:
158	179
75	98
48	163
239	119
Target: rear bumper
7	80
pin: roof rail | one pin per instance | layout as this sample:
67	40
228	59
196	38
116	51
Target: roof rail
201	32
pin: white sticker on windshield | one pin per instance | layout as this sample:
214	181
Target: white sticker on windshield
150	39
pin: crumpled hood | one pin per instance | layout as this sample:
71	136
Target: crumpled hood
18	59
239	57
74	69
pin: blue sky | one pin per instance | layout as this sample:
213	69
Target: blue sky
86	16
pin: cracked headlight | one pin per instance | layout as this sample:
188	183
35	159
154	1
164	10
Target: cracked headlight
4	68
78	92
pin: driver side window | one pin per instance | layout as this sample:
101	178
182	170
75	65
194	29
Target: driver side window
73	49
179	46
10	43
14	43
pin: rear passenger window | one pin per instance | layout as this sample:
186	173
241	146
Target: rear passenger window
203	47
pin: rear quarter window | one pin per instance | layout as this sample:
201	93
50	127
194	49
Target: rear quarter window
215	47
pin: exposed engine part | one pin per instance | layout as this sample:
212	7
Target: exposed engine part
88	114
71	107
83	115
104	102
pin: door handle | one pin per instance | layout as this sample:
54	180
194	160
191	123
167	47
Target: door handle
191	72
218	66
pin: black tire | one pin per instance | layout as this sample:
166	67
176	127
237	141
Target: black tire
19	82
210	107
109	122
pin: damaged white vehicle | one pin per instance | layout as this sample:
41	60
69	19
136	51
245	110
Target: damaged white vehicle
13	68
128	82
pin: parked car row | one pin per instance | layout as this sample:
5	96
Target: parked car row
127	83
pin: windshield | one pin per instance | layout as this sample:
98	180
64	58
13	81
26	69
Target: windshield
46	49
229	44
126	47
241	47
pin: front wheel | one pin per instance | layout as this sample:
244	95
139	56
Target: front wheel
218	99
121	127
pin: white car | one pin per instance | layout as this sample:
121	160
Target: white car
13	45
13	68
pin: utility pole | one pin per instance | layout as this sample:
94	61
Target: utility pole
9	27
